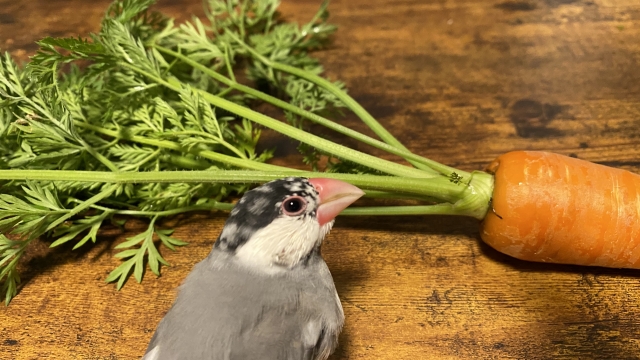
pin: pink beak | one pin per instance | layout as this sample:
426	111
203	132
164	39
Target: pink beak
335	196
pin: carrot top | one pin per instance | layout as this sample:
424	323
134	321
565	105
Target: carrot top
148	119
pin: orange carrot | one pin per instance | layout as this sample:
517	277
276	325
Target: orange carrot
553	208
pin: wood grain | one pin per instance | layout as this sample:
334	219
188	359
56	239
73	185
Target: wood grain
457	81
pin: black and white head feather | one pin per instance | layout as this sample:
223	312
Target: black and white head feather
274	226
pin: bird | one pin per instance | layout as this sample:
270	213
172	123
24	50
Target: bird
264	291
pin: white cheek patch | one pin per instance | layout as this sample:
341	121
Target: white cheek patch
285	242
326	229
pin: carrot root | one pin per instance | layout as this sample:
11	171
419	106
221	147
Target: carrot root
553	208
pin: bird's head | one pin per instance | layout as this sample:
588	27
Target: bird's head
277	225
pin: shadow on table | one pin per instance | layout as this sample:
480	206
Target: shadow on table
458	225
539	267
40	257
427	224
598	314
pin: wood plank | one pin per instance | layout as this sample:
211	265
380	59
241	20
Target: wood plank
457	81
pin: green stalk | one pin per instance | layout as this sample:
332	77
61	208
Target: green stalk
214	206
432	187
436	187
439	209
247	164
103	159
470	199
350	103
407	155
340	151
208	154
86	204
375	194
214	139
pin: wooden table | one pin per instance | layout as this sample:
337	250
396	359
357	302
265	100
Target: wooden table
459	82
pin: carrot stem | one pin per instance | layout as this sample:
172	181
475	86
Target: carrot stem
438	209
338	150
353	105
471	199
393	149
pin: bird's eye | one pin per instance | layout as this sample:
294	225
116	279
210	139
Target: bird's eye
294	205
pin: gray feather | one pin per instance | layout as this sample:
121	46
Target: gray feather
224	312
263	293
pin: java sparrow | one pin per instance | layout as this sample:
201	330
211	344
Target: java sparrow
263	292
